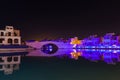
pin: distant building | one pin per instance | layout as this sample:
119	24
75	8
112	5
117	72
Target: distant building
91	40
111	39
10	36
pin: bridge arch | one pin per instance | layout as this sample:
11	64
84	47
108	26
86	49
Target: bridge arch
39	45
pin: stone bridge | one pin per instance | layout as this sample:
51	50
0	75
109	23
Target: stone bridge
39	45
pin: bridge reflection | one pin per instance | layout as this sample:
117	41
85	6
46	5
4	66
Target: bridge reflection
94	55
11	61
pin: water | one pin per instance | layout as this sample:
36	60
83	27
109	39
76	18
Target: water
64	64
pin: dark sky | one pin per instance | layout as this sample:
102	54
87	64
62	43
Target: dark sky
52	20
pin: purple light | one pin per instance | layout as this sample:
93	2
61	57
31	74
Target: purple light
106	55
107	41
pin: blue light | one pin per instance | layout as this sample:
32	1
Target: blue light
93	50
109	50
115	51
118	46
102	50
109	47
50	47
93	46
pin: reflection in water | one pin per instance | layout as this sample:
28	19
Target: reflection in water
59	52
49	48
95	55
108	56
75	54
65	69
10	62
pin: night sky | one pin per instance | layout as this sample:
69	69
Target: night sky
53	20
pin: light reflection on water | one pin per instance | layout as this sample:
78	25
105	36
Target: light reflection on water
107	55
59	52
94	55
10	62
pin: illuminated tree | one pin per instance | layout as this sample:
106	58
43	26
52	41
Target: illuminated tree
75	41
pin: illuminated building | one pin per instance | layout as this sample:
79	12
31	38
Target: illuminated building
10	36
110	40
92	40
10	41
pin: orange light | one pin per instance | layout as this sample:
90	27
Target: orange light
75	41
75	55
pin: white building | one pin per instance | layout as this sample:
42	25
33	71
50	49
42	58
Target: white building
10	36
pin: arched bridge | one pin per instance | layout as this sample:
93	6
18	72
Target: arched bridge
39	45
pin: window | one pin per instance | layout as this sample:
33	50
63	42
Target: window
10	41
9	59
15	58
15	34
2	34
1	40
15	40
9	33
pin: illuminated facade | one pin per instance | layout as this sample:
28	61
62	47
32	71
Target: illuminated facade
110	40
10	36
92	40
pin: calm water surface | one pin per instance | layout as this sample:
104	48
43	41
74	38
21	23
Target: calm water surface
65	64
